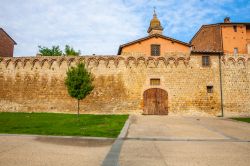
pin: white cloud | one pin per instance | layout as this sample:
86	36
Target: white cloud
100	26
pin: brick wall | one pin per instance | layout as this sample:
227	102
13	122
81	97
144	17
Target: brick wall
6	45
37	84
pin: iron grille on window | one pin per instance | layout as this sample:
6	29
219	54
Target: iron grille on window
205	61
155	50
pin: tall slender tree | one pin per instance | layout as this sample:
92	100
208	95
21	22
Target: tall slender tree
79	83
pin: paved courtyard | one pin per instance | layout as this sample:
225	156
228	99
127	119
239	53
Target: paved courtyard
51	151
163	140
150	141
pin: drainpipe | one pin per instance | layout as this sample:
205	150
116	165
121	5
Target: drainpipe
221	90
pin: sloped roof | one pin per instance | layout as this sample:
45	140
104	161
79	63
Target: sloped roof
151	36
1	29
218	24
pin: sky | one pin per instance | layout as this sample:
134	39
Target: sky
100	26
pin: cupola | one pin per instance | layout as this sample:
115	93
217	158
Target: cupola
155	26
227	20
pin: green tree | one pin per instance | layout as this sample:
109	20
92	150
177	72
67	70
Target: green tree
54	51
69	51
79	83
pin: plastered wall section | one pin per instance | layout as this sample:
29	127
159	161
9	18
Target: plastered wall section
144	47
36	84
232	39
248	39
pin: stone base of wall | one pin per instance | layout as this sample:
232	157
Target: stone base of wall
8	106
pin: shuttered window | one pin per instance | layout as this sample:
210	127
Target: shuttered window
155	50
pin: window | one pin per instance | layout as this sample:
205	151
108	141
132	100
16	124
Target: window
235	50
155	50
205	61
155	81
210	89
235	28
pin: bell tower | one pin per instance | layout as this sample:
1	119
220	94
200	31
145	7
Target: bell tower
155	25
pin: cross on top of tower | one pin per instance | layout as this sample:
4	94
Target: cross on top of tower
155	25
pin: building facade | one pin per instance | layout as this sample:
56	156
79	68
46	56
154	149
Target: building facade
227	37
152	75
6	44
155	44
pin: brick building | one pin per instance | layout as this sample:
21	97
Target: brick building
227	37
6	44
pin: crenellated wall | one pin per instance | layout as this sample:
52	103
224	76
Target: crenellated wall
37	84
236	84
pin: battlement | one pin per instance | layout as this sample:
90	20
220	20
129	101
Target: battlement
93	61
113	61
236	58
37	83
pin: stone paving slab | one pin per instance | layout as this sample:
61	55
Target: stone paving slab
164	140
230	128
56	151
152	153
170	127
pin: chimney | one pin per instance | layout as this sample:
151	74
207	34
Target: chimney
227	20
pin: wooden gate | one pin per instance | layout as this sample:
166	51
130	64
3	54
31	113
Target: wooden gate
155	102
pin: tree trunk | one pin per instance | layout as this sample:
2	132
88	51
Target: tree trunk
78	108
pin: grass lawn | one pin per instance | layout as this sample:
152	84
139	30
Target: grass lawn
243	119
61	124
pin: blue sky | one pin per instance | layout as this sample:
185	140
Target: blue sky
100	26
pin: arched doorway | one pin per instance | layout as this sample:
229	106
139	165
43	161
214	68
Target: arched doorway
155	102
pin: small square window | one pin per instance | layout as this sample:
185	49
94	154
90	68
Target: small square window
155	81
155	50
205	61
210	89
235	28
